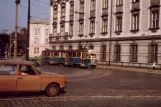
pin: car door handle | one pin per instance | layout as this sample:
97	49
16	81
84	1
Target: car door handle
20	78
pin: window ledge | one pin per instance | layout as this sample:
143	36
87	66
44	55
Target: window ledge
154	29
135	2
134	31
80	35
118	32
104	33
119	5
91	34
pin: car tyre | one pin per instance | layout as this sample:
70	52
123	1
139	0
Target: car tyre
52	90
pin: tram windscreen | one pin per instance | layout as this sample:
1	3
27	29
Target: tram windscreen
92	55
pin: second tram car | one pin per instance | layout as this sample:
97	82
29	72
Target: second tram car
83	58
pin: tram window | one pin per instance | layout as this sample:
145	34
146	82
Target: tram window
74	54
92	56
78	54
51	54
47	54
63	54
55	54
70	54
83	55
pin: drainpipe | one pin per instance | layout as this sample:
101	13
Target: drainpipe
110	32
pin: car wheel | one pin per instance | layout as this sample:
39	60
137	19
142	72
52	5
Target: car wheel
52	90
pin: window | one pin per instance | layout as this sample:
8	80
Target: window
47	31
103	52
117	52
63	10
135	21
92	27
8	69
153	52
135	1
71	9
62	29
81	10
154	18
91	47
55	13
36	50
119	2
61	47
36	41
80	47
37	31
54	47
46	41
55	29
119	24
71	29
133	52
93	5
104	26
105	4
27	70
81	28
70	47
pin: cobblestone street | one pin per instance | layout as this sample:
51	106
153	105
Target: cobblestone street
94	88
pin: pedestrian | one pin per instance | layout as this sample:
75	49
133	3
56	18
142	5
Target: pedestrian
154	66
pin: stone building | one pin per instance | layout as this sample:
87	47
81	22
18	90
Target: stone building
123	32
39	37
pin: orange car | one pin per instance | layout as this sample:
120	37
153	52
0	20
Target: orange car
23	76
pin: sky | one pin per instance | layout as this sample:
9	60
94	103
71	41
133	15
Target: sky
40	9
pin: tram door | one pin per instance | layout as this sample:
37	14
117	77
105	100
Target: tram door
67	58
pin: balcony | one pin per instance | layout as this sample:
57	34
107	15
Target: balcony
59	37
71	18
105	12
92	14
119	8
81	16
135	5
154	2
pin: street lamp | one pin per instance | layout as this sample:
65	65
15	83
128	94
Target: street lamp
28	33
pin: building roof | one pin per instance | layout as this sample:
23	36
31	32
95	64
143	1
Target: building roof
40	22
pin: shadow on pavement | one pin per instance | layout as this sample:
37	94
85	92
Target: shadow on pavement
10	95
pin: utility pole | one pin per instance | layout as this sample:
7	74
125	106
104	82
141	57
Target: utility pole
110	33
28	33
16	28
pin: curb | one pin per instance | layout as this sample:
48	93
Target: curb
128	69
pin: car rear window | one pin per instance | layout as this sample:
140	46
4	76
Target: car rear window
8	69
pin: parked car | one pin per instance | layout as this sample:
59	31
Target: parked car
24	76
35	62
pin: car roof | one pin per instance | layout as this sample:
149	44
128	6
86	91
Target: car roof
15	62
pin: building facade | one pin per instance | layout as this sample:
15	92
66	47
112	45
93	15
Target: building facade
39	37
123	32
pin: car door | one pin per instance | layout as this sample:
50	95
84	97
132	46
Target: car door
8	77
28	79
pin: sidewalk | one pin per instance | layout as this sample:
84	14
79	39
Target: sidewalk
128	69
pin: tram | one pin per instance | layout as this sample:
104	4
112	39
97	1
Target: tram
83	58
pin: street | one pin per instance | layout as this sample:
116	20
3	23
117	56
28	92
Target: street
94	88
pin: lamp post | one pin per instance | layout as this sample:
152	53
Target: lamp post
16	28
28	33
